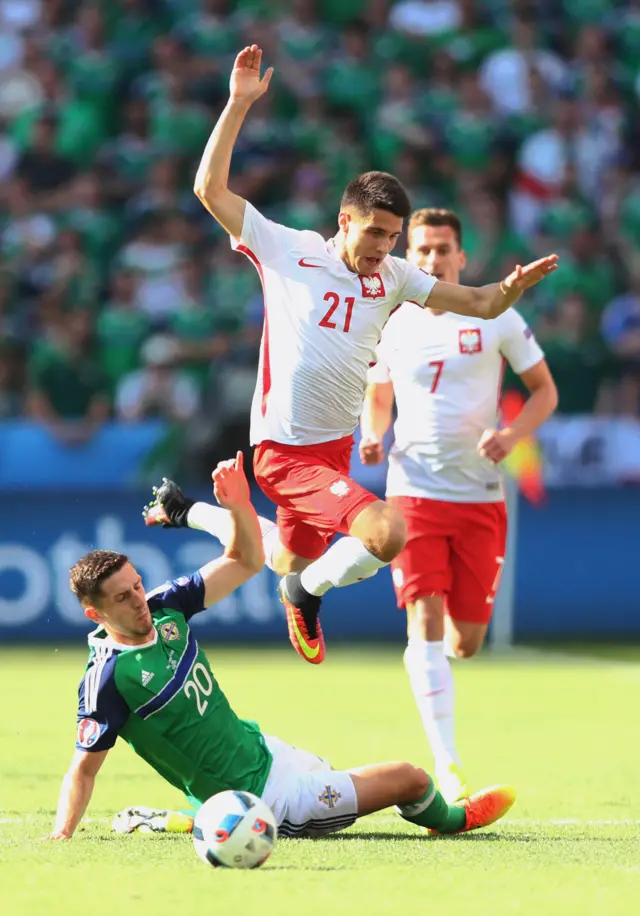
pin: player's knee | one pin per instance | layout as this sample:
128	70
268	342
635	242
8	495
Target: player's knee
466	645
466	650
385	532
414	782
284	562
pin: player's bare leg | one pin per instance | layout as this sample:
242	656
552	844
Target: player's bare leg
381	529
413	793
376	536
463	639
285	561
378	786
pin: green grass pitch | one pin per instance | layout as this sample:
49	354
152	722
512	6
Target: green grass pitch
562	729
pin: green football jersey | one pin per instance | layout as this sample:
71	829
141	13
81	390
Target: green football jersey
163	700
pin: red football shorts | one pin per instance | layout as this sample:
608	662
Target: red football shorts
311	487
453	549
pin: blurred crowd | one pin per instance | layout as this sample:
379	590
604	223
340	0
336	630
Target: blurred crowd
121	297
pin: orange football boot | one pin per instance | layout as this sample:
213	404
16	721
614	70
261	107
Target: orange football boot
483	808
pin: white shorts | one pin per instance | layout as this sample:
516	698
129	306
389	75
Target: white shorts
307	797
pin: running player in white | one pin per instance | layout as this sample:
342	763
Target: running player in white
325	306
446	374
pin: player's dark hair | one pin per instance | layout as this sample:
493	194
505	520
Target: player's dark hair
87	575
432	216
376	191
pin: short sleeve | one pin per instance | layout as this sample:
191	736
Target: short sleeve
102	711
185	595
517	344
379	373
263	240
417	285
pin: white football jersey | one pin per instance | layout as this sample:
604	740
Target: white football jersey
322	325
447	376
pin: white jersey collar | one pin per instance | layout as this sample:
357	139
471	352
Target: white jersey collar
99	637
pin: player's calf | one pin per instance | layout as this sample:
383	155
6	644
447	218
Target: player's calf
381	785
417	800
284	561
464	639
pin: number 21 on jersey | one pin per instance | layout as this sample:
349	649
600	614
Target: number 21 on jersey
327	321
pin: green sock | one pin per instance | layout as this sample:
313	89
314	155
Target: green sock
432	811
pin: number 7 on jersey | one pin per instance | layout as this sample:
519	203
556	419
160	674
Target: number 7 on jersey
438	365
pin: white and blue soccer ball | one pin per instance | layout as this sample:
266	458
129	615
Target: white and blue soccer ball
234	830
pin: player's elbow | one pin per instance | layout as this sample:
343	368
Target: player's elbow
255	565
546	394
486	305
252	562
207	190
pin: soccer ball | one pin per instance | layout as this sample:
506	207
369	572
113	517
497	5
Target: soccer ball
234	830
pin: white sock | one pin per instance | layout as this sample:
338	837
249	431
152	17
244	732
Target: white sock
345	562
217	522
432	685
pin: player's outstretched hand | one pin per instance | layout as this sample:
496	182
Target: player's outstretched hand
522	278
371	450
496	444
230	485
245	84
55	836
169	506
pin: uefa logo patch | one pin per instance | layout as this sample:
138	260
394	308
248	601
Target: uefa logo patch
470	340
88	732
372	287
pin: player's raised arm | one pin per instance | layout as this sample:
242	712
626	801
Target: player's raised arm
76	791
244	552
212	178
494	299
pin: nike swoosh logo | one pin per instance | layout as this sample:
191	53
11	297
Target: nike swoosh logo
304	645
303	263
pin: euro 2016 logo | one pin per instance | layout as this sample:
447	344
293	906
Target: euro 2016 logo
88	732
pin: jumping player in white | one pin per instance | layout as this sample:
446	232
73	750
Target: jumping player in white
446	374
325	306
